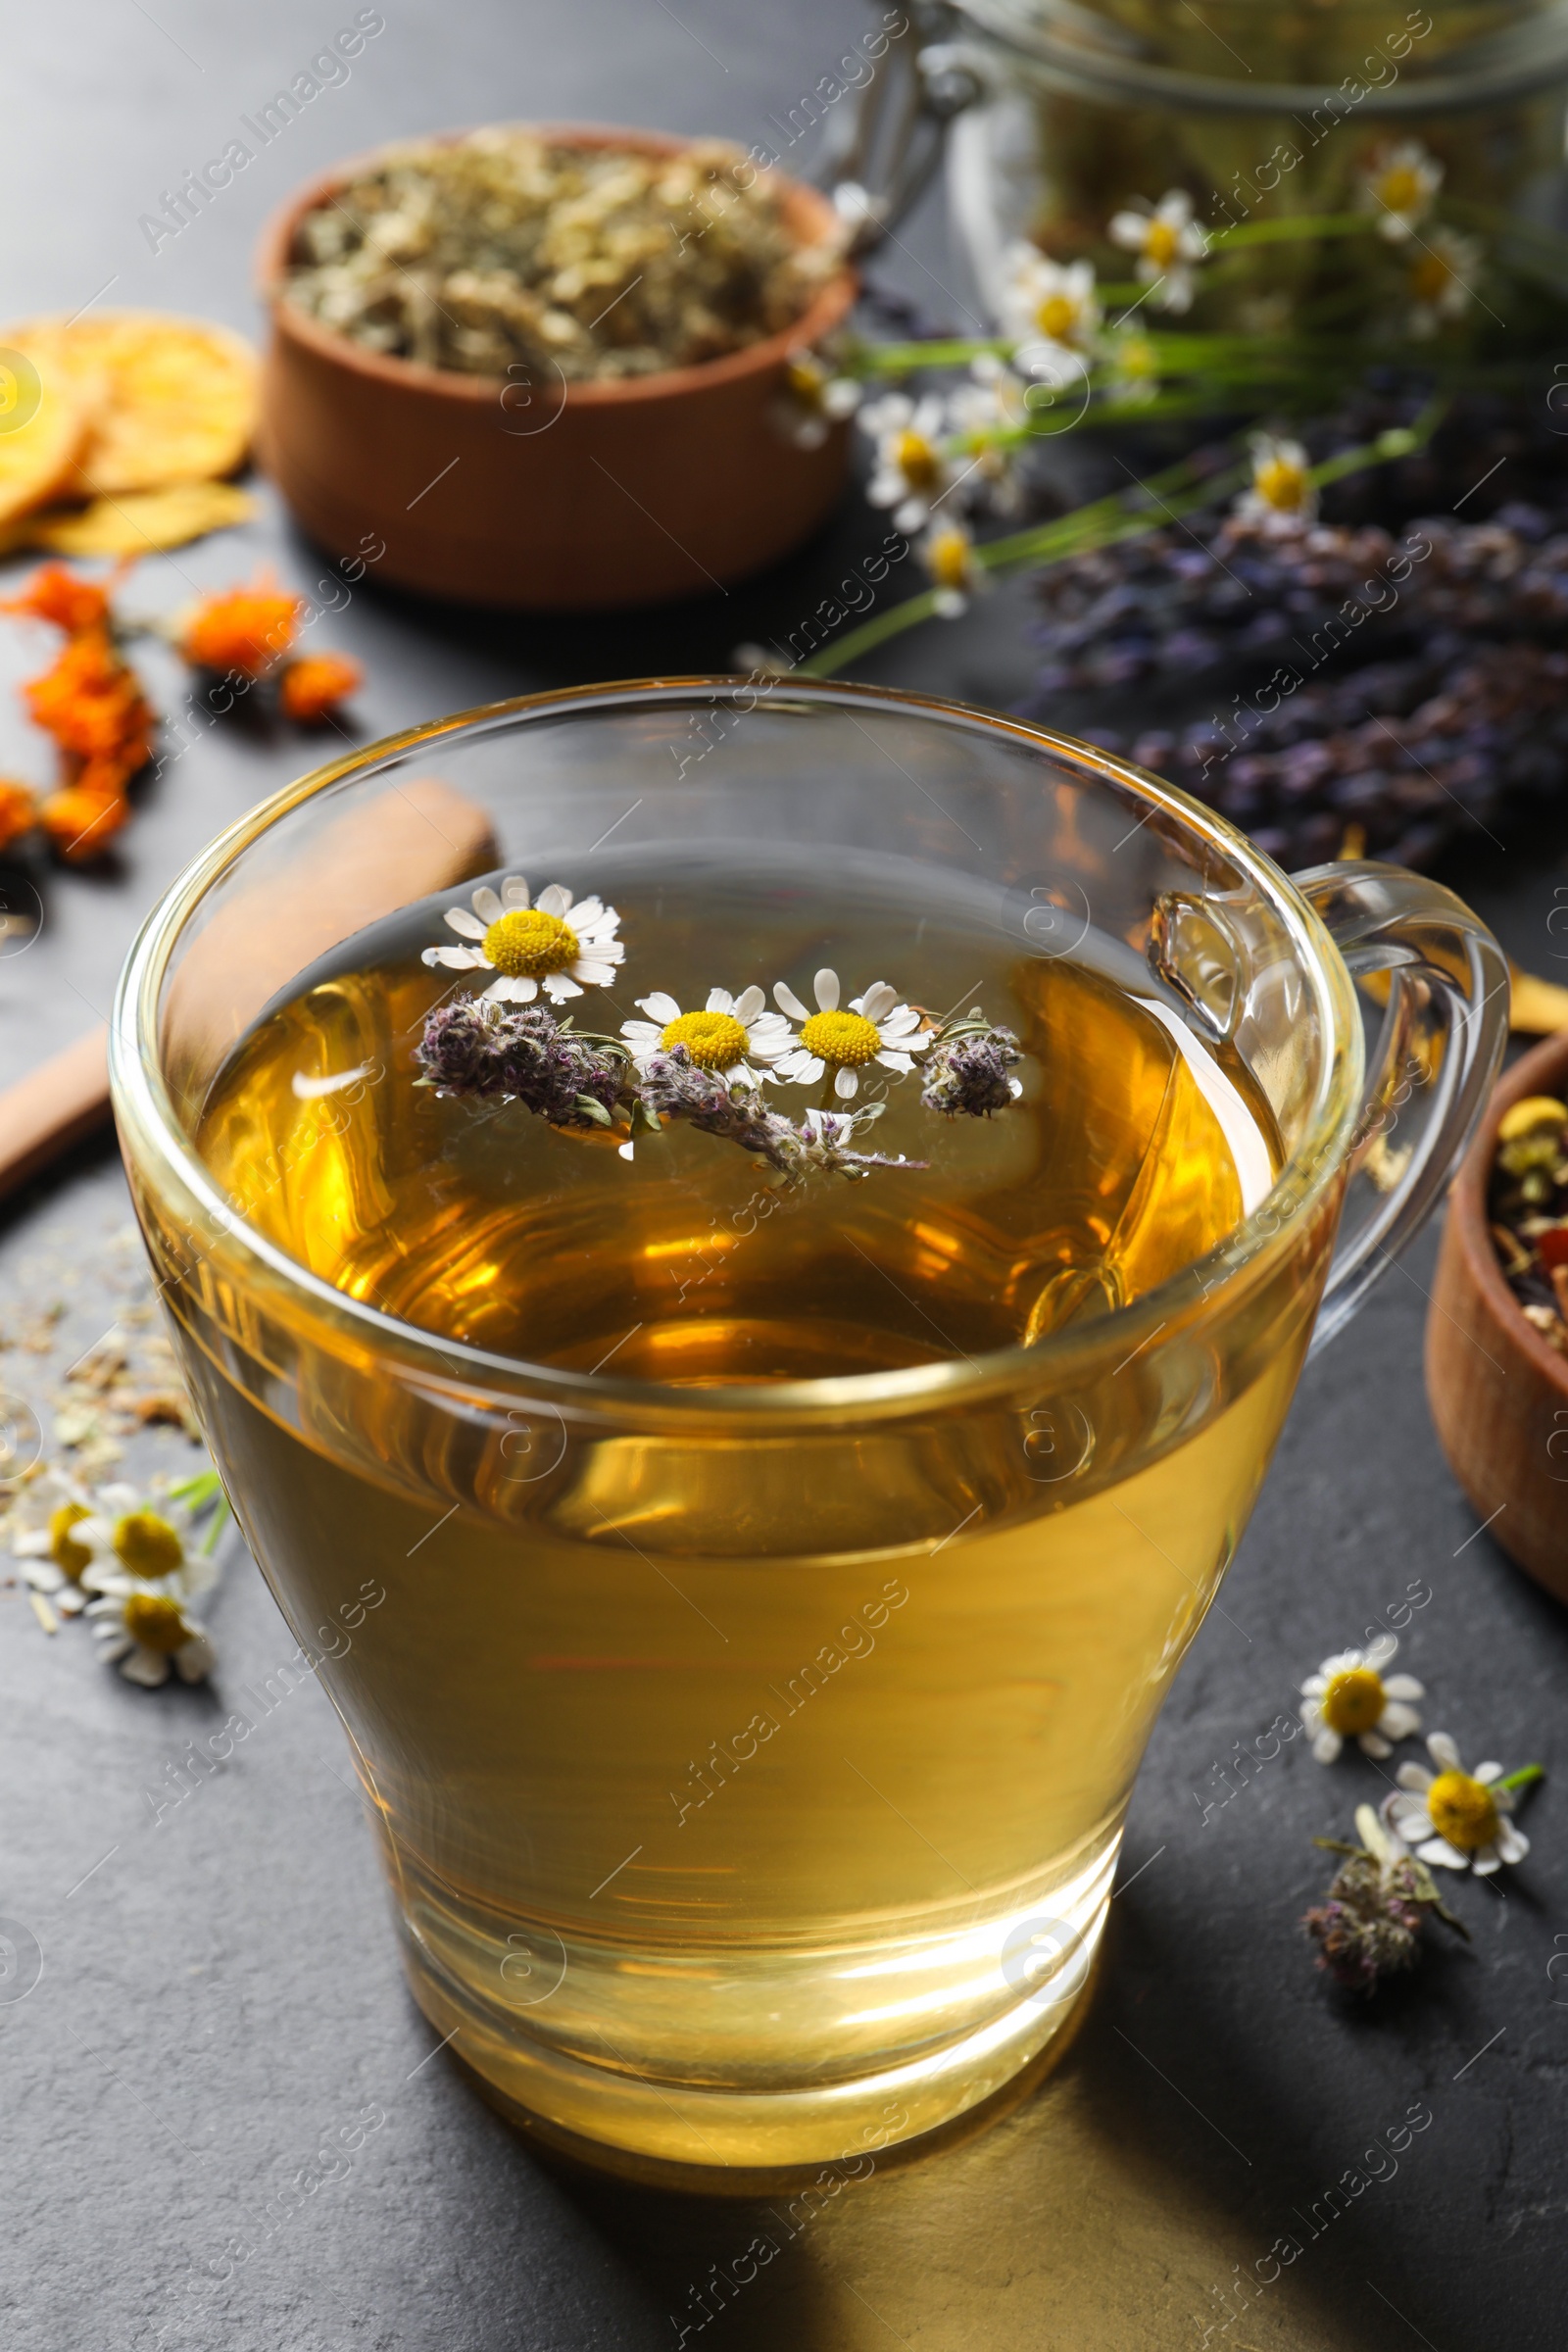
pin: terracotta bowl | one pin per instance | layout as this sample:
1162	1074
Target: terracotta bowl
1498	1390
544	496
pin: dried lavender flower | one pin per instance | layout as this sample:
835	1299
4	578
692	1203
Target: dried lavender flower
522	1054
674	1088
1370	1925
968	1070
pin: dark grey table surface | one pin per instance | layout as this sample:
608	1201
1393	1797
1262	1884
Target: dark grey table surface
211	1986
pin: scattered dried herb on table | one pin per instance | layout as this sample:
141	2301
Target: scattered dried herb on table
497	251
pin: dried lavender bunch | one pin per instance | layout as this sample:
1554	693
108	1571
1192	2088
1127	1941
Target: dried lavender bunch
525	1055
1174	606
1370	1925
967	1073
1408	753
674	1088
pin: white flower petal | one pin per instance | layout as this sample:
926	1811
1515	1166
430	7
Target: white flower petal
559	987
514	893
195	1658
1326	1745
625	1150
43	1576
878	998
659	1007
1492	1770
1438	1850
556	900
641	1033
511	992
596	974
1314	1687
1379	1651
149	1667
895	1061
1403	1686
1512	1843
719	999
70	1602
1415	1775
486	907
846	1085
826	988
1442	1751
586	913
788	1002
31	1546
1397	1721
749	1004
456	959
1372	1744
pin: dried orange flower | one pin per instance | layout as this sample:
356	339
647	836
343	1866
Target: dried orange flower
55	593
243	631
314	686
91	701
18	813
80	822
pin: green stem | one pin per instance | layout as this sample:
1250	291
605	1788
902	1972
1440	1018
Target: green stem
1106	522
1291	227
1522	1778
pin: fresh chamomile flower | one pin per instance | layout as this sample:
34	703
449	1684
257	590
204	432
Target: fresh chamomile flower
52	1555
1401	185
729	1036
1132	366
145	1629
1443	280
947	552
985	413
1167	241
1351	1698
913	469
1048	301
1458	1818
876	1027
1283	497
531	944
811	400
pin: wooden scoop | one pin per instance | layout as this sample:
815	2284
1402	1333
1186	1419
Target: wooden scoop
410	840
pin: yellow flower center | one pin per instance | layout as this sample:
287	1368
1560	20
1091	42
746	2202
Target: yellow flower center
529	943
1354	1701
68	1555
845	1038
715	1041
1056	316
1430	277
1462	1810
916	460
947	558
155	1622
1161	243
146	1545
1279	484
1401	189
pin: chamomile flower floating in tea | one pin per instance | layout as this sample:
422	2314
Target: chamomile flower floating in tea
1457	1818
876	1027
1400	186
729	1036
1370	1924
913	469
532	943
1167	241
1351	1698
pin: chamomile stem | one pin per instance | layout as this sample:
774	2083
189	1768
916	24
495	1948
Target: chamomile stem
1107	521
1522	1778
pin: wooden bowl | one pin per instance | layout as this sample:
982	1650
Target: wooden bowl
1499	1390
545	497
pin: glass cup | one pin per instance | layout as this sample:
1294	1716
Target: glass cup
750	1761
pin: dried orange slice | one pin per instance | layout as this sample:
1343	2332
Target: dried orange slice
136	522
46	402
178	399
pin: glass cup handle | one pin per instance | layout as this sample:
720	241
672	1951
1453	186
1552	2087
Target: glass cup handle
880	152
1442	1036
